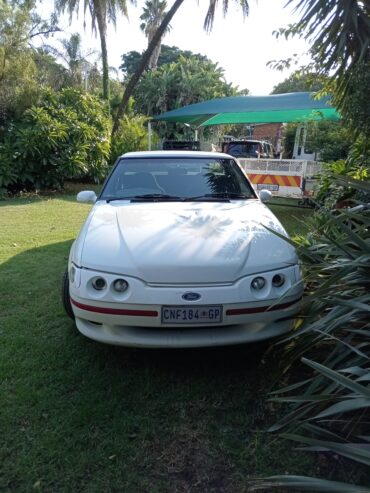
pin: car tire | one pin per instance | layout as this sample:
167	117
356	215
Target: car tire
66	300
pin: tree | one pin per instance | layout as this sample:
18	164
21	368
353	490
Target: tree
171	54
130	87
331	140
355	107
101	13
152	16
75	59
301	80
339	33
186	81
49	73
19	25
168	54
130	62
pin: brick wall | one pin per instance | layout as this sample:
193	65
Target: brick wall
269	131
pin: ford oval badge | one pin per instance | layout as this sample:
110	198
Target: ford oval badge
191	296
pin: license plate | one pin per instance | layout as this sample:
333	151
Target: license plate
267	186
206	314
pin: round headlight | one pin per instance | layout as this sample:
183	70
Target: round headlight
120	285
278	280
258	283
99	283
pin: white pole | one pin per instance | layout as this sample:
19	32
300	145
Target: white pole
296	152
196	134
149	136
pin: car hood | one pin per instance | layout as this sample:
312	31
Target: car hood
182	242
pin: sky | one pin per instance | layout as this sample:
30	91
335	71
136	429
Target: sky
242	47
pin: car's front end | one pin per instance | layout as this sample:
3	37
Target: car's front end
183	272
164	315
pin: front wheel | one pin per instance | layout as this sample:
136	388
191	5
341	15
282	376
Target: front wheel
66	300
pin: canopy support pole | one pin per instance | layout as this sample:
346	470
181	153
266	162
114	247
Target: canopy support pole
149	136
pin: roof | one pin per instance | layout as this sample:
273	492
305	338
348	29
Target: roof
247	141
281	108
188	154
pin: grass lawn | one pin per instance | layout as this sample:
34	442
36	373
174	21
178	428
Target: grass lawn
77	416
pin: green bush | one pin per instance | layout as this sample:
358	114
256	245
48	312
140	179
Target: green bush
356	166
328	407
66	136
8	174
131	136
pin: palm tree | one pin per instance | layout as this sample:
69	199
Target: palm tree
339	33
74	58
152	16
208	23
102	12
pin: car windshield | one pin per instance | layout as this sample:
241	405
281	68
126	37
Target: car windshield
245	149
177	178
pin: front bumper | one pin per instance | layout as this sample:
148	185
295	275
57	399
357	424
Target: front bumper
139	329
134	317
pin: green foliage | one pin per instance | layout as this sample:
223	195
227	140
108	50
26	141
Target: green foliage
8	173
208	21
357	166
187	81
327	409
131	136
359	157
289	133
130	62
65	137
331	140
328	192
101	13
75	59
339	35
301	80
355	107
49	73
169	54
17	69
154	11
304	483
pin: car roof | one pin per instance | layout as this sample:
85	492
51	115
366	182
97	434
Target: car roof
244	141
185	154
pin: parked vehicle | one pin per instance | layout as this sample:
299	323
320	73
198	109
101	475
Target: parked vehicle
181	145
249	149
175	253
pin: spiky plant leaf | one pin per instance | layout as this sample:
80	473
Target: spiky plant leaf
303	483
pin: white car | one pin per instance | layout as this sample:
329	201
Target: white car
177	252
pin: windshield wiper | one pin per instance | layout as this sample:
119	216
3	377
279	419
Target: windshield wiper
218	196
155	196
147	196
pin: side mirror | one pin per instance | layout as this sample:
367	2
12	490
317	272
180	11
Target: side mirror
87	196
265	196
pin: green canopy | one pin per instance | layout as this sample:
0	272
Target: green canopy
282	108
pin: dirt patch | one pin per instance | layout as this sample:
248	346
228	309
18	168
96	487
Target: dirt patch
186	463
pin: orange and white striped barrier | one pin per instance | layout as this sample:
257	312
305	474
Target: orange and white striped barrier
280	180
283	177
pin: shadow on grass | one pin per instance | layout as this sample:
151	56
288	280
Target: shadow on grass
32	293
82	416
69	194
